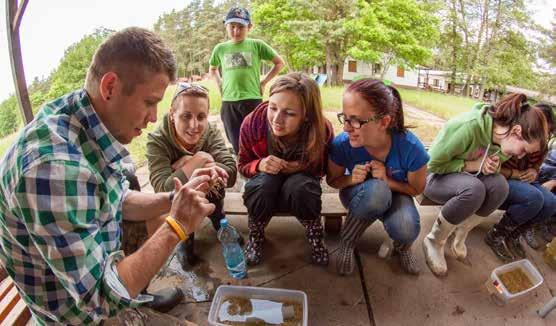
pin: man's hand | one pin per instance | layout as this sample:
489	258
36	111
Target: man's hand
360	172
271	164
292	167
190	206
378	170
529	175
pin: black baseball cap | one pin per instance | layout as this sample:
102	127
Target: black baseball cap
238	15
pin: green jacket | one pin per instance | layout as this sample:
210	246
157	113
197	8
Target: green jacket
463	138
163	151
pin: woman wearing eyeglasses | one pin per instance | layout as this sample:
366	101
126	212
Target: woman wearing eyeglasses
183	142
464	165
386	166
283	150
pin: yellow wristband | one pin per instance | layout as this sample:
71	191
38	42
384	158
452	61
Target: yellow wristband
177	228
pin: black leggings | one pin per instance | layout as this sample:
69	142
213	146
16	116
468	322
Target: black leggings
298	194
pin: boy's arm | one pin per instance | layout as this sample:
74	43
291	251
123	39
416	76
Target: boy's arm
278	65
215	74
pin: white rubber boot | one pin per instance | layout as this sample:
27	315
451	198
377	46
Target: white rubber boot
459	249
433	245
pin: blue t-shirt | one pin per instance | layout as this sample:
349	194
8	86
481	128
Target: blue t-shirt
407	154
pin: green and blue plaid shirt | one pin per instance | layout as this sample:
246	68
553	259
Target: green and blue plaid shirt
61	196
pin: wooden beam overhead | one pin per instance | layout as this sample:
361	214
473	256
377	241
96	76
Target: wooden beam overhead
19	15
14	15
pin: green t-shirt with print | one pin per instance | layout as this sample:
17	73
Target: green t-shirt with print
241	66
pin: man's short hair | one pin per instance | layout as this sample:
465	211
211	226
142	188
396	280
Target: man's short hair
133	54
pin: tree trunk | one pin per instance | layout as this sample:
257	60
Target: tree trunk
334	66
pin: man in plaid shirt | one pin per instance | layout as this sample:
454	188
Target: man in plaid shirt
63	193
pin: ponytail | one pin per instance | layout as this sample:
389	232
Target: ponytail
385	100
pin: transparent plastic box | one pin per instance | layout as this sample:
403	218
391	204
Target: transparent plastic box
499	291
250	292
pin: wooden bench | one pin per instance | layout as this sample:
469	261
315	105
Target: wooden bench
13	310
332	209
425	201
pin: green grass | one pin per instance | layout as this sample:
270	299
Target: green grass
445	106
6	142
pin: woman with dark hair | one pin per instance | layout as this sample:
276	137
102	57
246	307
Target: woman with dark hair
528	202
386	167
465	162
283	150
186	141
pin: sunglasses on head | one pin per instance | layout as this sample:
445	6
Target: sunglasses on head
183	86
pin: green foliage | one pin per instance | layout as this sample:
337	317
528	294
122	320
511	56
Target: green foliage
193	32
70	74
399	32
10	117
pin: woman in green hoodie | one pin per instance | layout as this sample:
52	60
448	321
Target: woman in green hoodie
464	169
183	142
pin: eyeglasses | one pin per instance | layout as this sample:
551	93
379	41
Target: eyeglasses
356	123
183	86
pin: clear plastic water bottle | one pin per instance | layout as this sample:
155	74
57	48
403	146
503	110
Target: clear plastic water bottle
233	254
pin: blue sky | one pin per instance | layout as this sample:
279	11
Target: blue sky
49	27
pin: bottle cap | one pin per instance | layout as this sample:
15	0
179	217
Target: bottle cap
224	222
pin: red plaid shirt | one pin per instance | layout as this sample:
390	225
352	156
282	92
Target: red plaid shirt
253	144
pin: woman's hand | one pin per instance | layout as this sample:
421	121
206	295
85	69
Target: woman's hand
292	167
378	170
492	162
529	175
359	173
271	164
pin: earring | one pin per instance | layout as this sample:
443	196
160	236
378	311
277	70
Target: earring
108	98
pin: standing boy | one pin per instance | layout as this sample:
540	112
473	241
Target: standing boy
240	60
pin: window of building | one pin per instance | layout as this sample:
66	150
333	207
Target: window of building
352	66
400	72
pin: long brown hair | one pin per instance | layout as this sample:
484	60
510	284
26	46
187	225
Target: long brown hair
313	129
513	109
385	100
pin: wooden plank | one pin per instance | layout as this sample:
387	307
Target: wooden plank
16	60
5	287
331	205
8	302
18	316
424	201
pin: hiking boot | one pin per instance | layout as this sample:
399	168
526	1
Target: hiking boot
495	238
530	237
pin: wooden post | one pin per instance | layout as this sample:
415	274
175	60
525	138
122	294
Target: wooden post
14	14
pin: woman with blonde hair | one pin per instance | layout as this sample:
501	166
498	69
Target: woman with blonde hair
283	150
186	141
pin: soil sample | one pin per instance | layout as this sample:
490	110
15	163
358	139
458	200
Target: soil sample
515	280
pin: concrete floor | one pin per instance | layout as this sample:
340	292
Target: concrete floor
396	298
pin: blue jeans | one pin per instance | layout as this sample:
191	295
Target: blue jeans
529	202
373	200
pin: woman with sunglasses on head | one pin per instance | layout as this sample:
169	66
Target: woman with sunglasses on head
465	162
283	150
386	167
183	142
